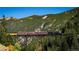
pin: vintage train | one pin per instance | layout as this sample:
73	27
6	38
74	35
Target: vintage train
42	33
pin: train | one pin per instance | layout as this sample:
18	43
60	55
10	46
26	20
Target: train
42	33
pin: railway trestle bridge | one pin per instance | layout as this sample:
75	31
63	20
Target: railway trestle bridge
23	36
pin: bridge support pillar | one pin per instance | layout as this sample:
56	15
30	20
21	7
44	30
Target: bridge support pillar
23	41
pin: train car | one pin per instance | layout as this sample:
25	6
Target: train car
55	33
12	34
32	33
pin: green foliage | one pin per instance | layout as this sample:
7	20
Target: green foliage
4	38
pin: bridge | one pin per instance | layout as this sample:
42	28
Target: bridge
24	36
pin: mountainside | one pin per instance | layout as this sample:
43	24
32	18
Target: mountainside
49	22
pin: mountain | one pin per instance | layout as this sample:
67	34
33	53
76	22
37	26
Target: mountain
49	22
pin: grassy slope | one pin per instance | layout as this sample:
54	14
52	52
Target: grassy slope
33	22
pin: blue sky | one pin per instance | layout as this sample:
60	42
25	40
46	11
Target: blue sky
20	12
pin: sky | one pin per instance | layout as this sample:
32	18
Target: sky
20	12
